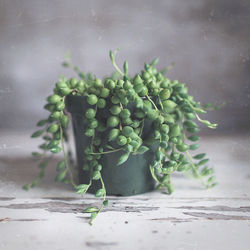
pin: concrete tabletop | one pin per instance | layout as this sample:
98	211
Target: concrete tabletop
50	215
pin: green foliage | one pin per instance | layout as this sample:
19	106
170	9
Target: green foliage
159	101
60	165
142	150
61	176
82	189
123	158
90	210
37	134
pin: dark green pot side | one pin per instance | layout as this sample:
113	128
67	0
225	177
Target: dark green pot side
130	178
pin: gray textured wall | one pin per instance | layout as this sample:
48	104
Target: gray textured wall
208	40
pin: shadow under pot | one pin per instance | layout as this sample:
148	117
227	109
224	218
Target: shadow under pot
130	178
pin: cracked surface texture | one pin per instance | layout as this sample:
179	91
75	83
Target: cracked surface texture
50	215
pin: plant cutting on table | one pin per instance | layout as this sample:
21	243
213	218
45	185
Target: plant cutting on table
123	119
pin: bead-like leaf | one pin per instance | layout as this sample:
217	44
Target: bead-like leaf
142	150
113	134
202	162
96	175
65	121
41	123
211	179
105	203
47	138
52	144
55	150
199	156
93	216
82	186
109	147
190	124
60	165
125	67
37	133
34	183
207	171
61	176
82	189
35	154
26	187
193	130
43	146
90	210
193	138
182	147
194	146
123	158
155	61
213	185
100	192
170	188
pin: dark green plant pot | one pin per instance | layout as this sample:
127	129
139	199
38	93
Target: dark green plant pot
132	177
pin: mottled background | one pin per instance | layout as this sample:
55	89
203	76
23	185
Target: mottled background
208	40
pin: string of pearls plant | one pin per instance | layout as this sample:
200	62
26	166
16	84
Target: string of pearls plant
165	103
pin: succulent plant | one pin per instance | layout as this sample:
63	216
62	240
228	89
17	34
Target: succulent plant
165	103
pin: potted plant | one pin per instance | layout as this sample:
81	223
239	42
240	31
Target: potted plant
131	133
